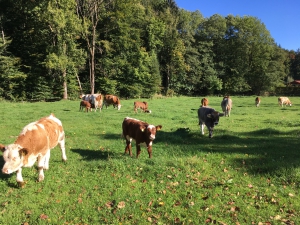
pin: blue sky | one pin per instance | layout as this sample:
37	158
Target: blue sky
281	17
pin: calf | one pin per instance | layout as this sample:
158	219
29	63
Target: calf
226	105
139	131
208	117
284	101
204	102
86	105
140	105
34	143
112	100
257	101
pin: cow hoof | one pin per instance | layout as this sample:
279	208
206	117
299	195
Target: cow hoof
21	184
41	178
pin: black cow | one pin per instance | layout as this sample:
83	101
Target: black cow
208	117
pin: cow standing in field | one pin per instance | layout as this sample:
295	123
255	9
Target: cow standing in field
96	100
284	101
204	102
112	100
34	144
139	131
85	104
226	105
208	117
257	101
140	105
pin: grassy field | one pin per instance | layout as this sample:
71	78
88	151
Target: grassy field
248	173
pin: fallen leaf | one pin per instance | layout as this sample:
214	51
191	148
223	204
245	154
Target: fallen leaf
121	205
43	216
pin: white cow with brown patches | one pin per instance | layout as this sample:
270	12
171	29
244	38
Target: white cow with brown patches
284	101
34	144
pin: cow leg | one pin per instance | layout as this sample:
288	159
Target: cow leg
46	161
62	147
41	164
138	150
211	129
128	148
149	148
20	180
202	128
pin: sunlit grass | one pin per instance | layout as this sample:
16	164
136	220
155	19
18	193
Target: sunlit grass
247	173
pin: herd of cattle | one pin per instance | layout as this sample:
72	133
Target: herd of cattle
37	138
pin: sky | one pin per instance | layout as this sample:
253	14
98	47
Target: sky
281	17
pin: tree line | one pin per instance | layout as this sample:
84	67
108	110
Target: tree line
134	48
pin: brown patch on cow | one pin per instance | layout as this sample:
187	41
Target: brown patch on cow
85	104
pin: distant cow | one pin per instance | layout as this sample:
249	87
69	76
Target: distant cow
204	102
257	101
284	101
140	105
85	104
112	100
97	101
208	117
139	131
226	105
34	143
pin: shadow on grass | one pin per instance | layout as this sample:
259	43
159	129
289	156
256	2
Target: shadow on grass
88	154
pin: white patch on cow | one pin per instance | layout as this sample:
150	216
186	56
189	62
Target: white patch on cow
41	126
128	138
119	107
29	127
55	120
151	126
202	128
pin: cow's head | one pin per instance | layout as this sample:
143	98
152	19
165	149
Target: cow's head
13	156
150	131
214	120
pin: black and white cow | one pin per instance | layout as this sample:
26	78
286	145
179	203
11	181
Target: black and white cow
208	117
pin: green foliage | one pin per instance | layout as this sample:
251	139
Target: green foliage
248	173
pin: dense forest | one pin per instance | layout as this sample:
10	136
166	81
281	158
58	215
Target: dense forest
134	48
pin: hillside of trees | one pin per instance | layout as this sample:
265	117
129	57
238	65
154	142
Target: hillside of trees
134	48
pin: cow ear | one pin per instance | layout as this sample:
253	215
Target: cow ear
158	127
221	114
2	147
209	115
23	151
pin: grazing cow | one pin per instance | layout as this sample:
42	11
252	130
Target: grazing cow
140	105
284	101
85	104
204	102
226	105
34	143
208	117
257	101
112	100
139	131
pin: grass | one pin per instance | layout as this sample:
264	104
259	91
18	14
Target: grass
248	173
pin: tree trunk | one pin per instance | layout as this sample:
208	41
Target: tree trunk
65	95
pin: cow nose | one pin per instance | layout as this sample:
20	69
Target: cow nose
5	171
216	123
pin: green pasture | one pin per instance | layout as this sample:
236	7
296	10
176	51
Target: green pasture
248	173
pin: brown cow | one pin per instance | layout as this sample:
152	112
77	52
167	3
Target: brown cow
86	105
257	101
34	143
284	101
112	100
140	105
139	131
204	102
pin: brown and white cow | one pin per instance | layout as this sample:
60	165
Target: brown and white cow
85	104
112	100
257	101
284	101
226	105
141	132
34	144
140	105
96	100
204	102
